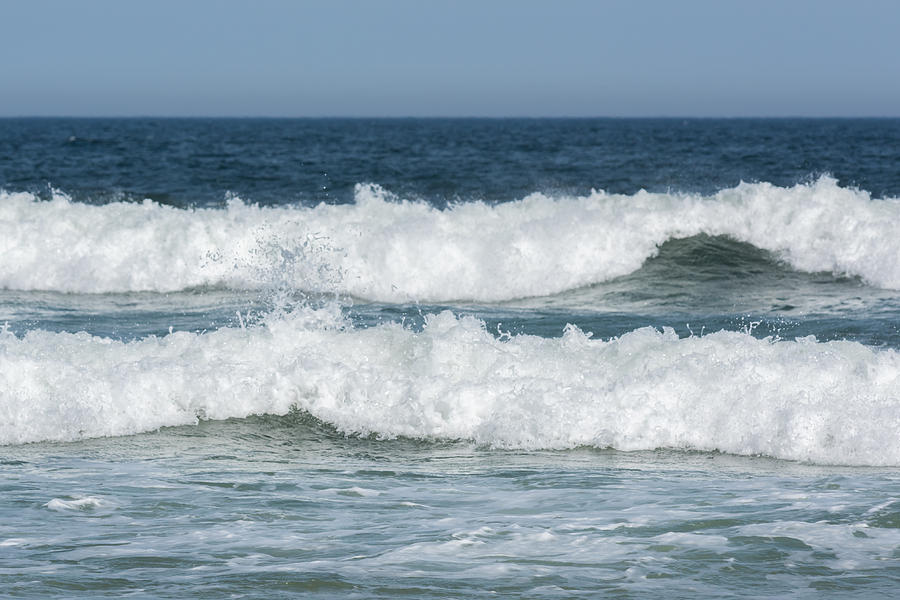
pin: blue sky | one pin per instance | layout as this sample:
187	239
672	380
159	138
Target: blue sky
441	58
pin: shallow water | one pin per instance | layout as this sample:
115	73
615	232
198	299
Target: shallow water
286	505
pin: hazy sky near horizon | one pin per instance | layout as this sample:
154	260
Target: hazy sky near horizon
442	58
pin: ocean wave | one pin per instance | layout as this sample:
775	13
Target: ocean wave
386	249
830	403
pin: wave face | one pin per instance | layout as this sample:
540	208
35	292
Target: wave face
384	249
830	403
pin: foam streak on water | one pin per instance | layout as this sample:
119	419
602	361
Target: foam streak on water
386	249
832	403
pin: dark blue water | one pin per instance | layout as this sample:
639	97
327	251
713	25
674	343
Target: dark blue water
198	162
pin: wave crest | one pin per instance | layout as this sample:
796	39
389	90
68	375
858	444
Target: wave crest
834	403
386	249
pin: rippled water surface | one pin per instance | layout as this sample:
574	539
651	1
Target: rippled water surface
286	505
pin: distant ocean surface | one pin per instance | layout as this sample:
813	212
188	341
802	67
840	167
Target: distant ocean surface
449	358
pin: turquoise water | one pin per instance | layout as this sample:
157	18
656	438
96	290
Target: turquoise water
449	358
271	505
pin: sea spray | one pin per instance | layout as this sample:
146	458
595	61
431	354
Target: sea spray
387	249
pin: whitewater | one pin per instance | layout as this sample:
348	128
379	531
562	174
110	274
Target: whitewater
452	379
829	403
384	248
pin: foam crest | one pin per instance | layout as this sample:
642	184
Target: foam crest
384	249
66	246
81	503
833	403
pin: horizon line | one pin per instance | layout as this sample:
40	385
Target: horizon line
448	117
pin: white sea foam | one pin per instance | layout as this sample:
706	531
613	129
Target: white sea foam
385	249
80	503
835	402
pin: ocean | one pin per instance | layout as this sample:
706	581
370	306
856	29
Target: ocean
449	358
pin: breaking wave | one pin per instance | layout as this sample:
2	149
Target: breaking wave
831	403
386	249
